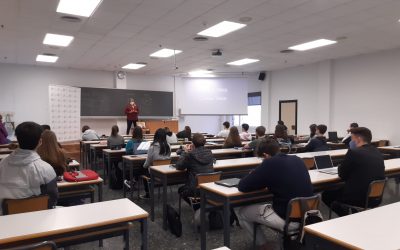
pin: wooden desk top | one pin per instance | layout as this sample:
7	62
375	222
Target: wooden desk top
98	146
90	142
391	148
373	229
67	219
63	184
114	151
332	153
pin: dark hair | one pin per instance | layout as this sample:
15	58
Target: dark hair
362	132
168	131
280	132
45	127
281	122
267	146
198	140
245	126
84	128
226	124
313	129
137	133
188	132
354	125
161	137
28	135
233	138
114	130
322	128
260	131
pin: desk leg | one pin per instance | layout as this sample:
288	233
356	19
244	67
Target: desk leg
104	168
203	220
109	167
143	227
123	177
81	155
131	180
100	186
90	159
164	202
226	223
152	195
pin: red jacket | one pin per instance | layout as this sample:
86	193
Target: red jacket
134	115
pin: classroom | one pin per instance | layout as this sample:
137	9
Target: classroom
199	124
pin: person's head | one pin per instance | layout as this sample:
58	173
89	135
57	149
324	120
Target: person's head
84	128
137	133
114	130
280	132
161	137
234	132
46	127
188	131
1	118
198	140
313	129
281	122
245	127
352	125
168	131
28	135
50	151
260	131
132	101
267	148
321	129
361	136
226	125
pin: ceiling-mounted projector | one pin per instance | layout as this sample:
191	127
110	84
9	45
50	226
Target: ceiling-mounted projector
216	52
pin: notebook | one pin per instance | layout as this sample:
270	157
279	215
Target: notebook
324	164
144	146
232	182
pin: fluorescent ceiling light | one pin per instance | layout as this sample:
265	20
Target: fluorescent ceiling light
221	29
312	44
46	58
201	73
57	40
243	61
78	7
165	53
134	66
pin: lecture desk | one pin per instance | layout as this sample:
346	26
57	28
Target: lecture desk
224	196
392	150
80	189
68	226
85	147
374	229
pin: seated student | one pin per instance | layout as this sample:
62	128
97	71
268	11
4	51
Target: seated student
115	141
225	131
171	136
3	132
360	167
133	144
233	139
245	135
285	176
281	135
51	153
347	139
260	133
281	125
196	159
313	131
159	150
318	143
89	134
23	174
185	134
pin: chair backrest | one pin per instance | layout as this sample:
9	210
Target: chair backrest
375	190
161	162
208	177
298	206
31	204
309	162
45	245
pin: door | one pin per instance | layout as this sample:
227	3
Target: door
288	114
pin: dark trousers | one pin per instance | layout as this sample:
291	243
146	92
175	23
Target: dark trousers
129	125
329	196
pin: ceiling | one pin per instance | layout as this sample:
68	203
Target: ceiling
125	31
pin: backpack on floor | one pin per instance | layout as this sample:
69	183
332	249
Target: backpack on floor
174	221
215	220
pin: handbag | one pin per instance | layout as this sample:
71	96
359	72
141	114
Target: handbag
78	176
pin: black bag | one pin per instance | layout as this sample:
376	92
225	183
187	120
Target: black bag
174	221
116	181
215	220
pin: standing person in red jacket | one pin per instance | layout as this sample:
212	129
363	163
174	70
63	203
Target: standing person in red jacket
132	112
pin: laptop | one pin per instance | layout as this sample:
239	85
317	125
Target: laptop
333	136
324	164
232	182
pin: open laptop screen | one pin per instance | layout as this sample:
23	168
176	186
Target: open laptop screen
323	161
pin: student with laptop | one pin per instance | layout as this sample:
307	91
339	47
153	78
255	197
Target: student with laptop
285	176
318	143
89	134
132	145
245	135
360	167
225	131
115	140
233	139
196	159
260	134
23	174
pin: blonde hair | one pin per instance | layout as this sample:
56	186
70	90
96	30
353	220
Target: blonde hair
51	152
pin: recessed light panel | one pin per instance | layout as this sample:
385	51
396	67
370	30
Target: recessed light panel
46	58
134	66
57	40
221	29
243	61
163	53
313	44
78	7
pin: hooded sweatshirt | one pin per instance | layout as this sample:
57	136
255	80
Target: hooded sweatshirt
90	135
199	160
23	174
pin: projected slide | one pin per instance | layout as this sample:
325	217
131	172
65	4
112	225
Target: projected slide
209	96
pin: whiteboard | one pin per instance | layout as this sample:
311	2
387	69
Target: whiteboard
214	96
